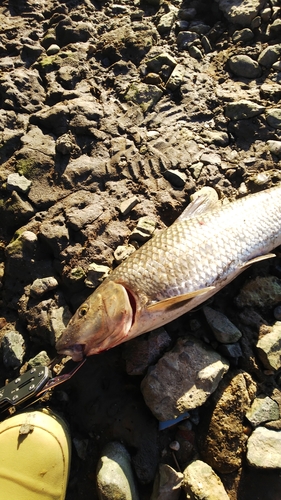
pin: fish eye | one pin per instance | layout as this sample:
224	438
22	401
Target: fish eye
83	311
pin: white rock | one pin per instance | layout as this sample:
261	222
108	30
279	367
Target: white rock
264	449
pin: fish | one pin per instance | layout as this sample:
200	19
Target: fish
179	268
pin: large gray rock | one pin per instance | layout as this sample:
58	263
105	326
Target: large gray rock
114	474
244	66
200	482
240	12
264	449
183	379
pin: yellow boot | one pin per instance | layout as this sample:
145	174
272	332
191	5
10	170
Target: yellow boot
35	452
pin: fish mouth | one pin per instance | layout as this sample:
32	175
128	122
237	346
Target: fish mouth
76	351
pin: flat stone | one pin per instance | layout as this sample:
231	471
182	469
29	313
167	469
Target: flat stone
243	109
182	379
96	274
245	66
222	328
19	183
264	449
269	348
127	205
200	482
122	252
144	230
114	474
263	409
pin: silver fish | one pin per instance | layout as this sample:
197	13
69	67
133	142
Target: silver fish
175	271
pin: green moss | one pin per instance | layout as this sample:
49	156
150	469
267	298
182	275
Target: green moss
26	167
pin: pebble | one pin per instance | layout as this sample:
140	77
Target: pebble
232	351
53	49
263	409
269	348
176	78
269	55
264	449
223	329
167	484
18	183
200	482
244	35
182	379
210	159
243	109
144	230
185	38
245	66
195	52
13	349
127	205
96	273
114	474
176	178
122	252
273	117
274	147
43	285
41	358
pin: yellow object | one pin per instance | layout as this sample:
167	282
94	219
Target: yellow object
35	453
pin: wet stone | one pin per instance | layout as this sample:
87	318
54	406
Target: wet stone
264	449
263	409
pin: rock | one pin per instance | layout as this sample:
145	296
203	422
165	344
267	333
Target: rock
263	409
274	29
260	292
176	78
145	350
232	351
114	474
222	441
244	66
96	274
182	379
186	38
200	482
244	35
161	61
273	117
167	484
175	177
43	285
22	90
269	348
195	52
41	358
13	348
144	230
275	147
145	95
47	320
18	183
53	49
222	328
264	449
167	20
127	205
241	13
55	234
211	158
122	252
269	55
243	109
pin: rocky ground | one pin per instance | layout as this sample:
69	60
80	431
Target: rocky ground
115	112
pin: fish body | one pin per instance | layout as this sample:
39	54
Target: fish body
175	271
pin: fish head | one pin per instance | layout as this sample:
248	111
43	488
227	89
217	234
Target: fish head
101	322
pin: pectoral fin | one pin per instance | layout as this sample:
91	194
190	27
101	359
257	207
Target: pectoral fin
202	201
178	300
257	259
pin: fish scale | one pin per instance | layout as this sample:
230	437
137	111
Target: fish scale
175	271
201	251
